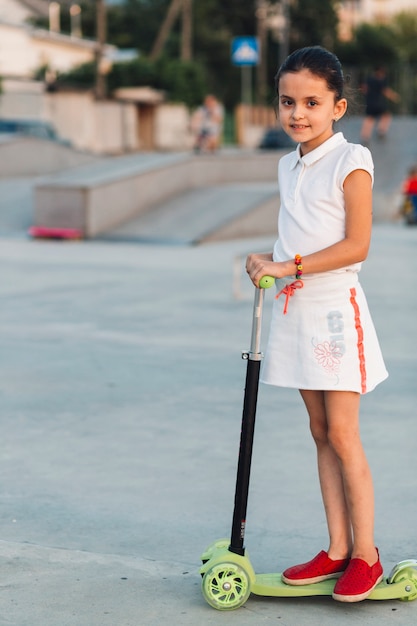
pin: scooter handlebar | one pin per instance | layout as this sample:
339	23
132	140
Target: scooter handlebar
266	282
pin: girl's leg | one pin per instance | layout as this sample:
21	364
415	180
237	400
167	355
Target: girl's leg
347	492
342	412
331	478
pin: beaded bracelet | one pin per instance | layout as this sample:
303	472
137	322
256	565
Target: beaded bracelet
298	263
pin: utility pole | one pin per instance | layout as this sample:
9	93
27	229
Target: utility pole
284	46
187	27
101	30
175	8
262	34
167	24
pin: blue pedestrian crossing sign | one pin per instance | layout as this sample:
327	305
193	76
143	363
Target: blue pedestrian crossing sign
245	51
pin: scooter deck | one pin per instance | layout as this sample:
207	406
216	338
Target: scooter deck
272	585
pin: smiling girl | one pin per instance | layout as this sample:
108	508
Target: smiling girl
322	340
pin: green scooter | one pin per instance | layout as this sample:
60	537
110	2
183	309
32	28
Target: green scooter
228	577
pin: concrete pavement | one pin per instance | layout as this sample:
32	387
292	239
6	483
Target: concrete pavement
121	388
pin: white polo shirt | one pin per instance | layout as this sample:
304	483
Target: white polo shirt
312	213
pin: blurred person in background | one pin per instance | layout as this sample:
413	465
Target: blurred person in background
409	190
207	125
377	94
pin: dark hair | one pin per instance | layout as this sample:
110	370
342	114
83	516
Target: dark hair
318	61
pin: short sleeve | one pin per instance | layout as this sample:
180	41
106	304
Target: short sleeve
357	158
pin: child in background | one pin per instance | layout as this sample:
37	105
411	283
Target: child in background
322	340
207	125
409	208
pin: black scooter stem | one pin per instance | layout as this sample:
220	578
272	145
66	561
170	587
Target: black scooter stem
254	358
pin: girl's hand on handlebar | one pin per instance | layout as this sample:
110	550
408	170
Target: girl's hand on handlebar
259	265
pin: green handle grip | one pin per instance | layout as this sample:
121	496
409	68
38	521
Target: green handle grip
266	282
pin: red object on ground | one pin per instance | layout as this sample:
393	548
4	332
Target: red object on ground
45	232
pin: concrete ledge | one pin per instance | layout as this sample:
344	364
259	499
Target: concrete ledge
98	198
30	156
259	222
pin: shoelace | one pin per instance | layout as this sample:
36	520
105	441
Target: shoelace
289	291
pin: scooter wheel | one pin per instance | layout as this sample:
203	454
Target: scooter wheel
405	570
226	586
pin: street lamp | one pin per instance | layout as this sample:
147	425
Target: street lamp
75	17
279	24
54	17
273	16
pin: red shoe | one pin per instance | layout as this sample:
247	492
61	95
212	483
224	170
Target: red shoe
318	569
358	581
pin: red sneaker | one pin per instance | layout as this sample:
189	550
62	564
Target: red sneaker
358	581
318	569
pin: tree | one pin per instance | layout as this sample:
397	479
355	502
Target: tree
371	45
136	23
393	46
182	82
313	22
404	28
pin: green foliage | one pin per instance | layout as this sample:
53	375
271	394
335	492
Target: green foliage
394	47
82	76
313	23
376	45
215	24
136	23
404	28
136	73
371	45
182	82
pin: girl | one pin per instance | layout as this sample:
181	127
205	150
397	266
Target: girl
322	339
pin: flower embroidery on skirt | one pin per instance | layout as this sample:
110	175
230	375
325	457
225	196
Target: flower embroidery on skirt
328	355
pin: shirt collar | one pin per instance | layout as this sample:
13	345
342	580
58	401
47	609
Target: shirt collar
316	154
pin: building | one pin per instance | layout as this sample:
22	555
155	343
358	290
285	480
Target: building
382	10
128	120
354	12
24	48
19	11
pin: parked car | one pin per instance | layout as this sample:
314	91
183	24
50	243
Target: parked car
275	138
32	128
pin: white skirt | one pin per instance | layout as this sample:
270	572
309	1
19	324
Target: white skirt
326	340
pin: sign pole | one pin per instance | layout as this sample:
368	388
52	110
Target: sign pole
245	52
246	84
